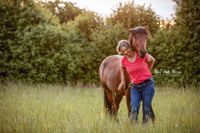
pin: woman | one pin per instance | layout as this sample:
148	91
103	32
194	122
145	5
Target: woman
138	63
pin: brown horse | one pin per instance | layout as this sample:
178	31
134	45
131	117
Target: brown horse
109	73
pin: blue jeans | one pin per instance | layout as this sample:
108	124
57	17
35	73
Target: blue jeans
142	92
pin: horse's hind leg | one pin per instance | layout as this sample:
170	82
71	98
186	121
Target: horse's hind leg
107	102
107	99
110	102
116	102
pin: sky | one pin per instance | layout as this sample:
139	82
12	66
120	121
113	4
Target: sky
163	8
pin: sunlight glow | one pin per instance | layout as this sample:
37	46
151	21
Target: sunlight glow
164	8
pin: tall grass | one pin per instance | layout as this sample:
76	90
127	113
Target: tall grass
48	108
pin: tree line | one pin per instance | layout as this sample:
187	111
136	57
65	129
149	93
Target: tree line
57	42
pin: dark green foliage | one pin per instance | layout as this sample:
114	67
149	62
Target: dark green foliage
37	55
8	26
166	47
35	47
188	24
27	44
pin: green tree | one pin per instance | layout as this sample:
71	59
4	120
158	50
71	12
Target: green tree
80	32
178	47
132	15
8	28
22	39
164	46
188	24
65	11
84	24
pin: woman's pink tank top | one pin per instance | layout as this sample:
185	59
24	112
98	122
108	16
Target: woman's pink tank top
138	70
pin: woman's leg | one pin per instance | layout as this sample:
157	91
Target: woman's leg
147	97
135	102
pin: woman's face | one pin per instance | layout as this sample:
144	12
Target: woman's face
140	41
126	51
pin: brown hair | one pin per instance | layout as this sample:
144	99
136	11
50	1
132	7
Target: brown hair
122	43
137	30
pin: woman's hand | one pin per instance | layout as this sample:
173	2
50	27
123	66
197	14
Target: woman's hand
122	85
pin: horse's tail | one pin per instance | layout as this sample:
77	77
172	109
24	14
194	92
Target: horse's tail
101	70
107	104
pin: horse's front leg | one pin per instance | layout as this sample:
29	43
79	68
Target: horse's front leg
128	101
116	102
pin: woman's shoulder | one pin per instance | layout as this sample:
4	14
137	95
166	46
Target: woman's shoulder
123	60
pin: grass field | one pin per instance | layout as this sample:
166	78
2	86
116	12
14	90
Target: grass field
53	108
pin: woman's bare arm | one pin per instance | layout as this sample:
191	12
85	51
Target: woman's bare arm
122	77
150	62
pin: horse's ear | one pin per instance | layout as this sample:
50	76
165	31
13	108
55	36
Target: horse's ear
130	30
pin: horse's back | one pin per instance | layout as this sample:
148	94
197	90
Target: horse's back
109	72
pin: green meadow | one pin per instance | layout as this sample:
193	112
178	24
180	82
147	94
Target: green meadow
55	109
